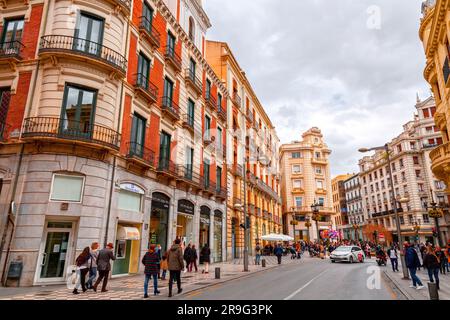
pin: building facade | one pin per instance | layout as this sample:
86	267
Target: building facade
355	212
340	204
305	172
415	186
113	130
253	155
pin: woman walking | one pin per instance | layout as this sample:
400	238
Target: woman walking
431	262
151	262
193	259
92	265
205	257
83	268
441	256
187	256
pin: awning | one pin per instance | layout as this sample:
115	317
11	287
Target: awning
128	233
277	237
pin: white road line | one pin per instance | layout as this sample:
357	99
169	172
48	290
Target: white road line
300	290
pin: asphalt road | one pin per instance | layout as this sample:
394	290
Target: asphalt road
309	279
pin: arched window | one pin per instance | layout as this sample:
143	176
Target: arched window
191	29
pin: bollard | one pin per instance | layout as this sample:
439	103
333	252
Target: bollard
263	263
217	273
433	291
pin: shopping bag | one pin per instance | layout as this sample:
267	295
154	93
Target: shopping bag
72	276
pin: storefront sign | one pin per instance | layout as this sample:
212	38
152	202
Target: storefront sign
185	206
160	200
132	188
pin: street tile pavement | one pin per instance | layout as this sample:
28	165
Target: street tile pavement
131	287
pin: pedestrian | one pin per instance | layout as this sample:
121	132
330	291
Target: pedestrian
293	252
279	253
257	254
447	253
187	256
175	265
412	263
193	259
82	268
431	262
164	266
92	264
151	262
392	253
205	257
158	250
441	257
104	266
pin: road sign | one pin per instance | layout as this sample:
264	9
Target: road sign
381	237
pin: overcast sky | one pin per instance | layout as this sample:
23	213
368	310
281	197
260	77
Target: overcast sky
352	68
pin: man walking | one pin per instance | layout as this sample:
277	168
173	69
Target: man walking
279	253
104	266
392	253
412	263
257	254
176	264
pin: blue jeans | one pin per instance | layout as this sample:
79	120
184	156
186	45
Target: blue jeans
394	263
435	272
415	279
155	283
92	276
257	259
164	272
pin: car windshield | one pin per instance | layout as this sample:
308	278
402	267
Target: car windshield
342	249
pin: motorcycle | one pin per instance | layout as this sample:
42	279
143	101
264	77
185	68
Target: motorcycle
381	260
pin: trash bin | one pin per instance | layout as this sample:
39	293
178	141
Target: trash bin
217	273
433	291
15	272
263	263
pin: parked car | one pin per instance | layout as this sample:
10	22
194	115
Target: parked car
348	253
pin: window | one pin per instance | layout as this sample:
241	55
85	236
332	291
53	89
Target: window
189	162
319	184
207	127
191	29
318	170
130	201
219	178
147	13
298	202
297	184
296	155
137	140
321	201
401	163
206	167
317	155
191	113
143	72
208	89
192	69
5	98
296	168
12	34
168	92
89	34
219	102
67	188
219	138
426	218
416	160
164	150
170	44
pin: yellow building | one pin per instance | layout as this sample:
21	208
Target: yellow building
252	136
339	202
306	179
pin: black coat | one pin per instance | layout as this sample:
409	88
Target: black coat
205	255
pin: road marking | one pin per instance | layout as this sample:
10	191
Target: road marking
300	290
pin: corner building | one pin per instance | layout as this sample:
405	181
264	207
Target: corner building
113	130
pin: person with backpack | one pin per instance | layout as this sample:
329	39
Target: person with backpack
393	256
257	254
151	262
205	257
82	263
432	263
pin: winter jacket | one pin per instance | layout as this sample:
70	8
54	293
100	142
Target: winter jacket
175	258
412	259
278	251
193	256
205	255
187	254
151	263
83	261
430	261
104	258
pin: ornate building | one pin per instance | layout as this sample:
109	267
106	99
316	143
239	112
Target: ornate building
305	171
340	204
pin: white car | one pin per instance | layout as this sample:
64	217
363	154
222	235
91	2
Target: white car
348	253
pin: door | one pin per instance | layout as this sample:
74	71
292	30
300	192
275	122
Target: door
143	71
189	162
206	173
192	67
170	44
168	92
54	252
191	112
164	153
12	33
77	114
89	34
233	239
137	141
147	13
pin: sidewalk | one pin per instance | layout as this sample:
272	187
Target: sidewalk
414	294
131	287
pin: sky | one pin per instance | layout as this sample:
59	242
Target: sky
351	68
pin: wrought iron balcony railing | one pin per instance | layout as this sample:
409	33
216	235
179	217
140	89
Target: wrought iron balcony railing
169	107
236	100
11	49
149	31
143	84
167	167
140	152
211	101
172	57
192	80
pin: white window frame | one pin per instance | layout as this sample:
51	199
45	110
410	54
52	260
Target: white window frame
66	175
297	180
296	165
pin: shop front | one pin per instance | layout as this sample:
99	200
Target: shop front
205	222
218	236
159	220
185	221
126	249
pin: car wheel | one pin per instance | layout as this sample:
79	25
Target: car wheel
332	261
351	259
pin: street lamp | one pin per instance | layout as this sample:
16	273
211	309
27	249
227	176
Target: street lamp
397	218
416	229
308	225
315	208
436	212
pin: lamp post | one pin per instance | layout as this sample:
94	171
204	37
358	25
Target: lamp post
416	229
397	218
436	212
316	216
308	225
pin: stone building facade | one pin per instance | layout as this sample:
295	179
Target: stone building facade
341	220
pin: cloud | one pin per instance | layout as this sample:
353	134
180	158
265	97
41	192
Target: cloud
352	68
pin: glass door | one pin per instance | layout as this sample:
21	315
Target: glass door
143	71
164	154
168	92
12	32
189	162
147	13
77	114
138	135
170	44
191	112
89	34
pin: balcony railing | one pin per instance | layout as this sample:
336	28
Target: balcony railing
85	48
262	186
221	193
47	127
187	174
236	100
222	114
172	57
193	81
211	101
208	185
140	152
251	178
143	84
249	116
237	170
385	213
170	108
151	34
258	212
11	49
188	122
167	167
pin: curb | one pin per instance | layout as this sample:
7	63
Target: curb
398	286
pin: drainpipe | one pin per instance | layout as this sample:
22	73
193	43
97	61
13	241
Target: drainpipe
113	176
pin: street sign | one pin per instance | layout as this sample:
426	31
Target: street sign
381	237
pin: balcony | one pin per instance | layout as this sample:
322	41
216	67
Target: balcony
167	168
193	82
208	141
440	158
189	124
221	193
147	89
170	109
149	32
222	113
140	155
56	129
251	209
172	58
58	45
236	170
258	212
11	51
249	116
446	71
319	160
265	214
263	187
208	186
237	201
236	99
298	190
187	175
211	102
251	178
385	213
